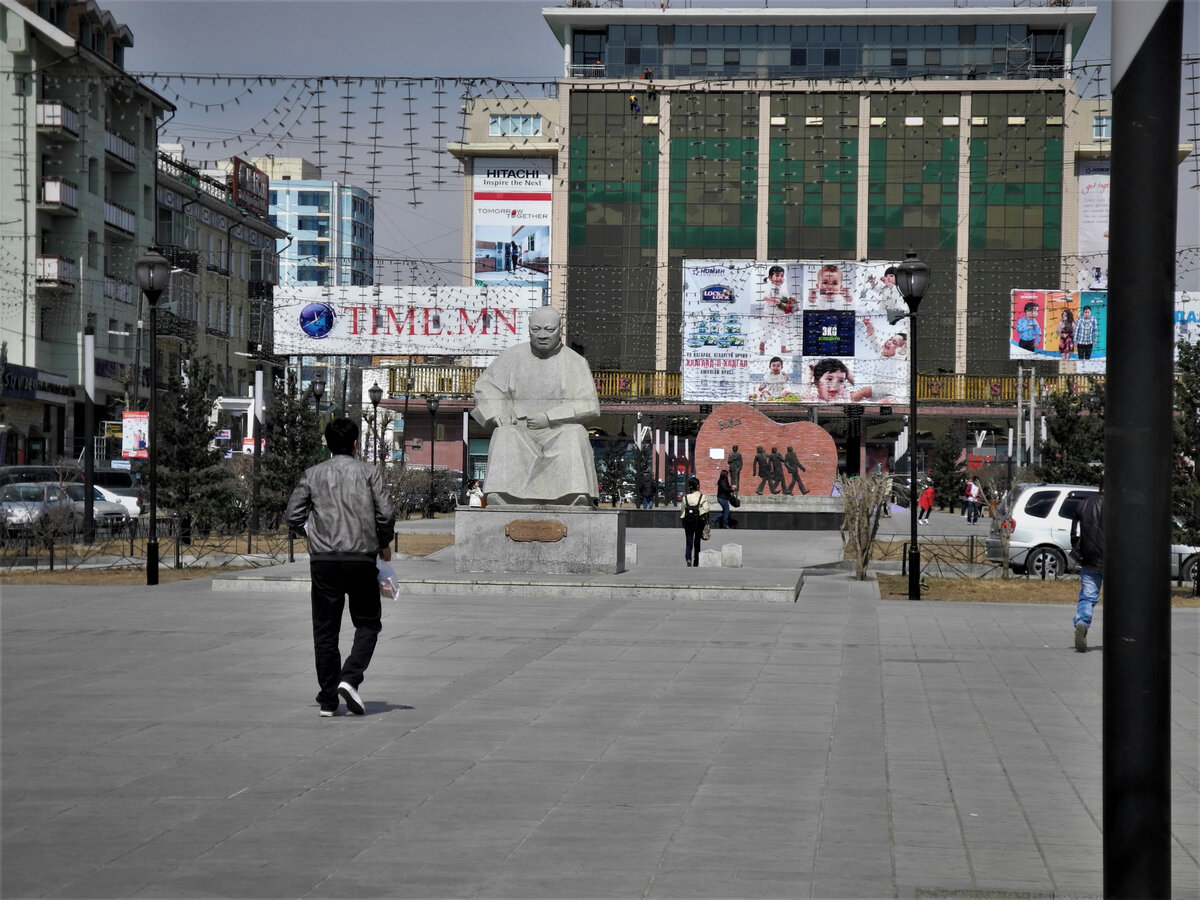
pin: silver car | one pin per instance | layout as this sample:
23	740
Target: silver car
35	505
1039	519
105	513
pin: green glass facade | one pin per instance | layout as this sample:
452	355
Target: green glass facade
612	220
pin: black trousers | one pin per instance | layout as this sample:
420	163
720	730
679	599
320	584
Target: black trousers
332	582
692	542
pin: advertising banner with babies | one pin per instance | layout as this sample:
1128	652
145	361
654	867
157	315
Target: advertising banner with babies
792	332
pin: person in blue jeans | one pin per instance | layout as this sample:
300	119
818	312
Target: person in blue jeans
1087	546
646	489
724	493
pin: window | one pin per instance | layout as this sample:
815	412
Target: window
733	57
318	199
833	57
699	56
799	56
93	250
113	343
1102	128
899	56
1040	504
515	126
933	57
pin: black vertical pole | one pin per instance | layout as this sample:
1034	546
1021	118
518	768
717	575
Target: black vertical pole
1146	50
914	546
152	540
89	428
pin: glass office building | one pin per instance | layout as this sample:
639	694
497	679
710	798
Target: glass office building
791	134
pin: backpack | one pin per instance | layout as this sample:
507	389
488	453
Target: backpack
691	514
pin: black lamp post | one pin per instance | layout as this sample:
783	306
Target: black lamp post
376	394
432	405
912	279
153	272
317	386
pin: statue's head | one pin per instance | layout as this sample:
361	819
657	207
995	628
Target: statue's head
545	331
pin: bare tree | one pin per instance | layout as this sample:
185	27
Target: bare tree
863	500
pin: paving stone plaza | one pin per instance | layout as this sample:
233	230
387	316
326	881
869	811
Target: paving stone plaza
164	742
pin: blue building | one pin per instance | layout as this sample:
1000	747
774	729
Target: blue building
332	225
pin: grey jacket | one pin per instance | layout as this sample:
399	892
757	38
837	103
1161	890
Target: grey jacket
345	510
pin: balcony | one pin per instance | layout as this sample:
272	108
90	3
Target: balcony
118	289
589	70
119	221
56	271
174	327
59	197
56	117
182	258
117	149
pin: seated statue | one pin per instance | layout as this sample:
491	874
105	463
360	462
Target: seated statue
536	395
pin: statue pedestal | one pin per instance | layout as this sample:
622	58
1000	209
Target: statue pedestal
544	540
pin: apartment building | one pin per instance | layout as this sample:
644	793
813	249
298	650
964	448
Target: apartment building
77	209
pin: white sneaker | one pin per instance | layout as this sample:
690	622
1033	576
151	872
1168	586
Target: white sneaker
353	701
328	713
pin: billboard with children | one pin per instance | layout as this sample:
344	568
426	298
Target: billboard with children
792	332
1060	325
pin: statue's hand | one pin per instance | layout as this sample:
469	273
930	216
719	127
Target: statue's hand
539	420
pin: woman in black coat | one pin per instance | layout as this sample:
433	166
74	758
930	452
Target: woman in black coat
724	494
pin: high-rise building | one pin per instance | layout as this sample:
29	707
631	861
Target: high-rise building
804	134
332	225
837	135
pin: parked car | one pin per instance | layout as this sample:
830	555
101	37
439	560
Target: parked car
1039	521
131	505
25	506
1185	560
105	513
122	482
30	473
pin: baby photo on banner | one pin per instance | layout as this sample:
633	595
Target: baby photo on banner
792	332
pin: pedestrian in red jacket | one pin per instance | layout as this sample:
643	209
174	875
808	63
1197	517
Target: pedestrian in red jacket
926	504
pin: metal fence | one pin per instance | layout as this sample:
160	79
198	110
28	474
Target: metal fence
125	547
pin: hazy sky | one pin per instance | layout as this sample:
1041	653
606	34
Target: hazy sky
406	39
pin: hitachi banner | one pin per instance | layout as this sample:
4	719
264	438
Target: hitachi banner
312	321
512	220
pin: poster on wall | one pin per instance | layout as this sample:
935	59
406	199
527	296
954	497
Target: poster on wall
135	435
792	332
511	209
1094	178
1060	325
392	320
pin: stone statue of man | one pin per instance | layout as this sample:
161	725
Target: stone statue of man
536	395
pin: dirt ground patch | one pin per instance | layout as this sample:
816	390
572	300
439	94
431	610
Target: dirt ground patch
411	544
1012	590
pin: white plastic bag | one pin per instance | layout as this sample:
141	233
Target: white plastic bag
387	579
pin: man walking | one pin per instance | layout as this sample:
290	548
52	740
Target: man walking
1087	547
345	511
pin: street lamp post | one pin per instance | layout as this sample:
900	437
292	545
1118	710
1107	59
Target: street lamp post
376	394
317	387
153	271
432	405
912	279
